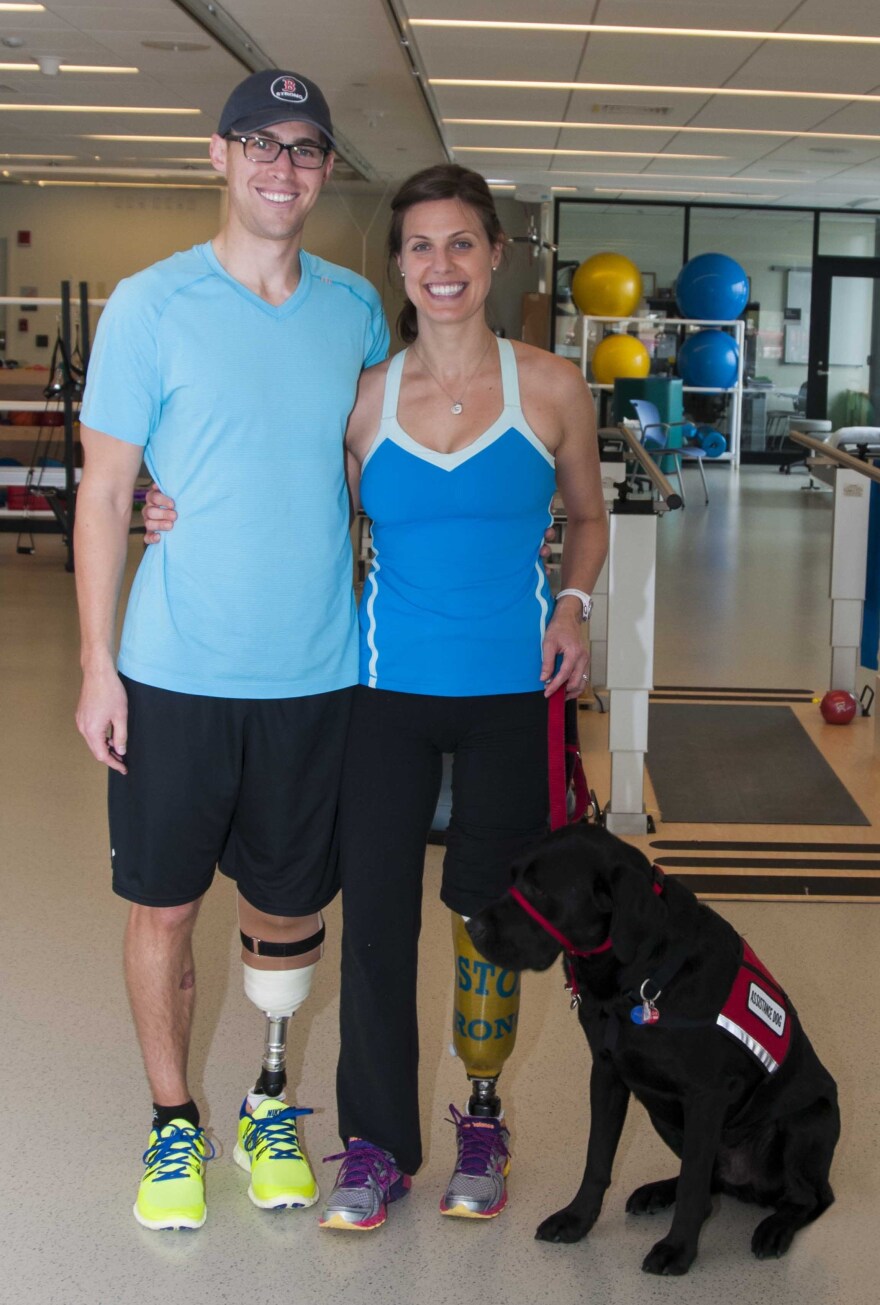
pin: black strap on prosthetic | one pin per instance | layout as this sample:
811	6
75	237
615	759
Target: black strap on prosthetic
261	948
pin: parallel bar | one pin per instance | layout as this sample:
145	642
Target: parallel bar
723	697
720	688
781	889
733	845
65	512
832	454
770	865
635	449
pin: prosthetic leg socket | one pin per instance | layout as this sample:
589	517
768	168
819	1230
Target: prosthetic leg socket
484	1020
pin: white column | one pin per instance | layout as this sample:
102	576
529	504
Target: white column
632	562
612	472
849	560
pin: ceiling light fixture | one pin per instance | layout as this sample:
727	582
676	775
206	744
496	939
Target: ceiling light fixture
615	29
132	185
176	47
53	157
165	140
551	149
22	9
751	92
682	194
667	130
146	169
87	108
693	177
50	64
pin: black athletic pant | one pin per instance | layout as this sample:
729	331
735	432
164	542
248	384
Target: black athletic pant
391	781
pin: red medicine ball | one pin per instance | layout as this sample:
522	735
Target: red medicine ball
838	707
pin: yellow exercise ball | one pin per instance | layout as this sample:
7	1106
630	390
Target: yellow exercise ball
607	285
619	355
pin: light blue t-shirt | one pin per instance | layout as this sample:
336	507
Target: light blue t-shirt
456	602
241	407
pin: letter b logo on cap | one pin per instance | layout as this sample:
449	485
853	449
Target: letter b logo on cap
289	90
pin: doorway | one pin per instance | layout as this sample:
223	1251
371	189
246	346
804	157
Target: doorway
843	384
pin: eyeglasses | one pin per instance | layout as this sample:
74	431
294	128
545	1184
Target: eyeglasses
263	149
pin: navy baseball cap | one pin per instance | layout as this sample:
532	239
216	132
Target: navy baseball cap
274	96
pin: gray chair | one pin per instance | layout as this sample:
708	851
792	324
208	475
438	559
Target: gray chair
655	437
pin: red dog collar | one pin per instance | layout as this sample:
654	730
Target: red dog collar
567	946
565	943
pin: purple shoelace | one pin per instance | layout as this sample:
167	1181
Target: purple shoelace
481	1141
361	1163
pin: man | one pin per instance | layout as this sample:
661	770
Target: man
234	363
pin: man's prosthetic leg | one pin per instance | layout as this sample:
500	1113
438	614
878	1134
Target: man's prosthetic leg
484	1032
484	1019
268	1146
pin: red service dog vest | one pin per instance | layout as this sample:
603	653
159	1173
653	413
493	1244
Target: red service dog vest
756	1014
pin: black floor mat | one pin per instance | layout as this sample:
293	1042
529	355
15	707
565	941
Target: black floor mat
741	765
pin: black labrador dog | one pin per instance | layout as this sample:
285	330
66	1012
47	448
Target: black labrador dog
678	1011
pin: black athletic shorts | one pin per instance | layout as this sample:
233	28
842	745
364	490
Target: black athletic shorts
249	784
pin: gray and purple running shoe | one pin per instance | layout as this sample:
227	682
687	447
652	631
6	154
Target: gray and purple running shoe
367	1182
477	1188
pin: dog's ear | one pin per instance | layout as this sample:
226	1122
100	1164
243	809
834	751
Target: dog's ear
529	880
637	913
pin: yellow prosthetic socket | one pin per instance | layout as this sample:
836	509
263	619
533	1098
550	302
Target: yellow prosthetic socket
484	1019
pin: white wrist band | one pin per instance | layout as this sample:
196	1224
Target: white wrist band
585	601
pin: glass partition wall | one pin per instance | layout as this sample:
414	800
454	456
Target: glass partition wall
783	252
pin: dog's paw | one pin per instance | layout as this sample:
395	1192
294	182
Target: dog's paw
565	1226
772	1237
665	1258
652	1197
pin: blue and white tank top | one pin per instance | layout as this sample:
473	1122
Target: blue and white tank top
456	601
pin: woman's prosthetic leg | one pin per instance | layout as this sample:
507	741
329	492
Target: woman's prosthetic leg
484	1019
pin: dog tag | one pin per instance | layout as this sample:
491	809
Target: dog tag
647	1013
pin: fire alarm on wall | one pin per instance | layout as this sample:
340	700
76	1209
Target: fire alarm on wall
24	237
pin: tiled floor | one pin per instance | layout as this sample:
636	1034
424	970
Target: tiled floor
742	600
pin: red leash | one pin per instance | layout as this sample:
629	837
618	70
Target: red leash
564	766
556	760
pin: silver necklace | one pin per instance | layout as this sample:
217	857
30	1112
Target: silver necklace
457	405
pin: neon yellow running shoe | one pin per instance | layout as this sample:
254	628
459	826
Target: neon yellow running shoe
172	1190
269	1149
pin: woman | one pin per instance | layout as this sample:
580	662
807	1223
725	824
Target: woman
455	447
458	444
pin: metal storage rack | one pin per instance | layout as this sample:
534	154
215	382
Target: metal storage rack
57	485
658	324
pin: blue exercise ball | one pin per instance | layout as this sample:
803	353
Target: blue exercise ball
713	287
708	359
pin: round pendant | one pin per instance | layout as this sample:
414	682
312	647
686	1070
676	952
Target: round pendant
456	409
